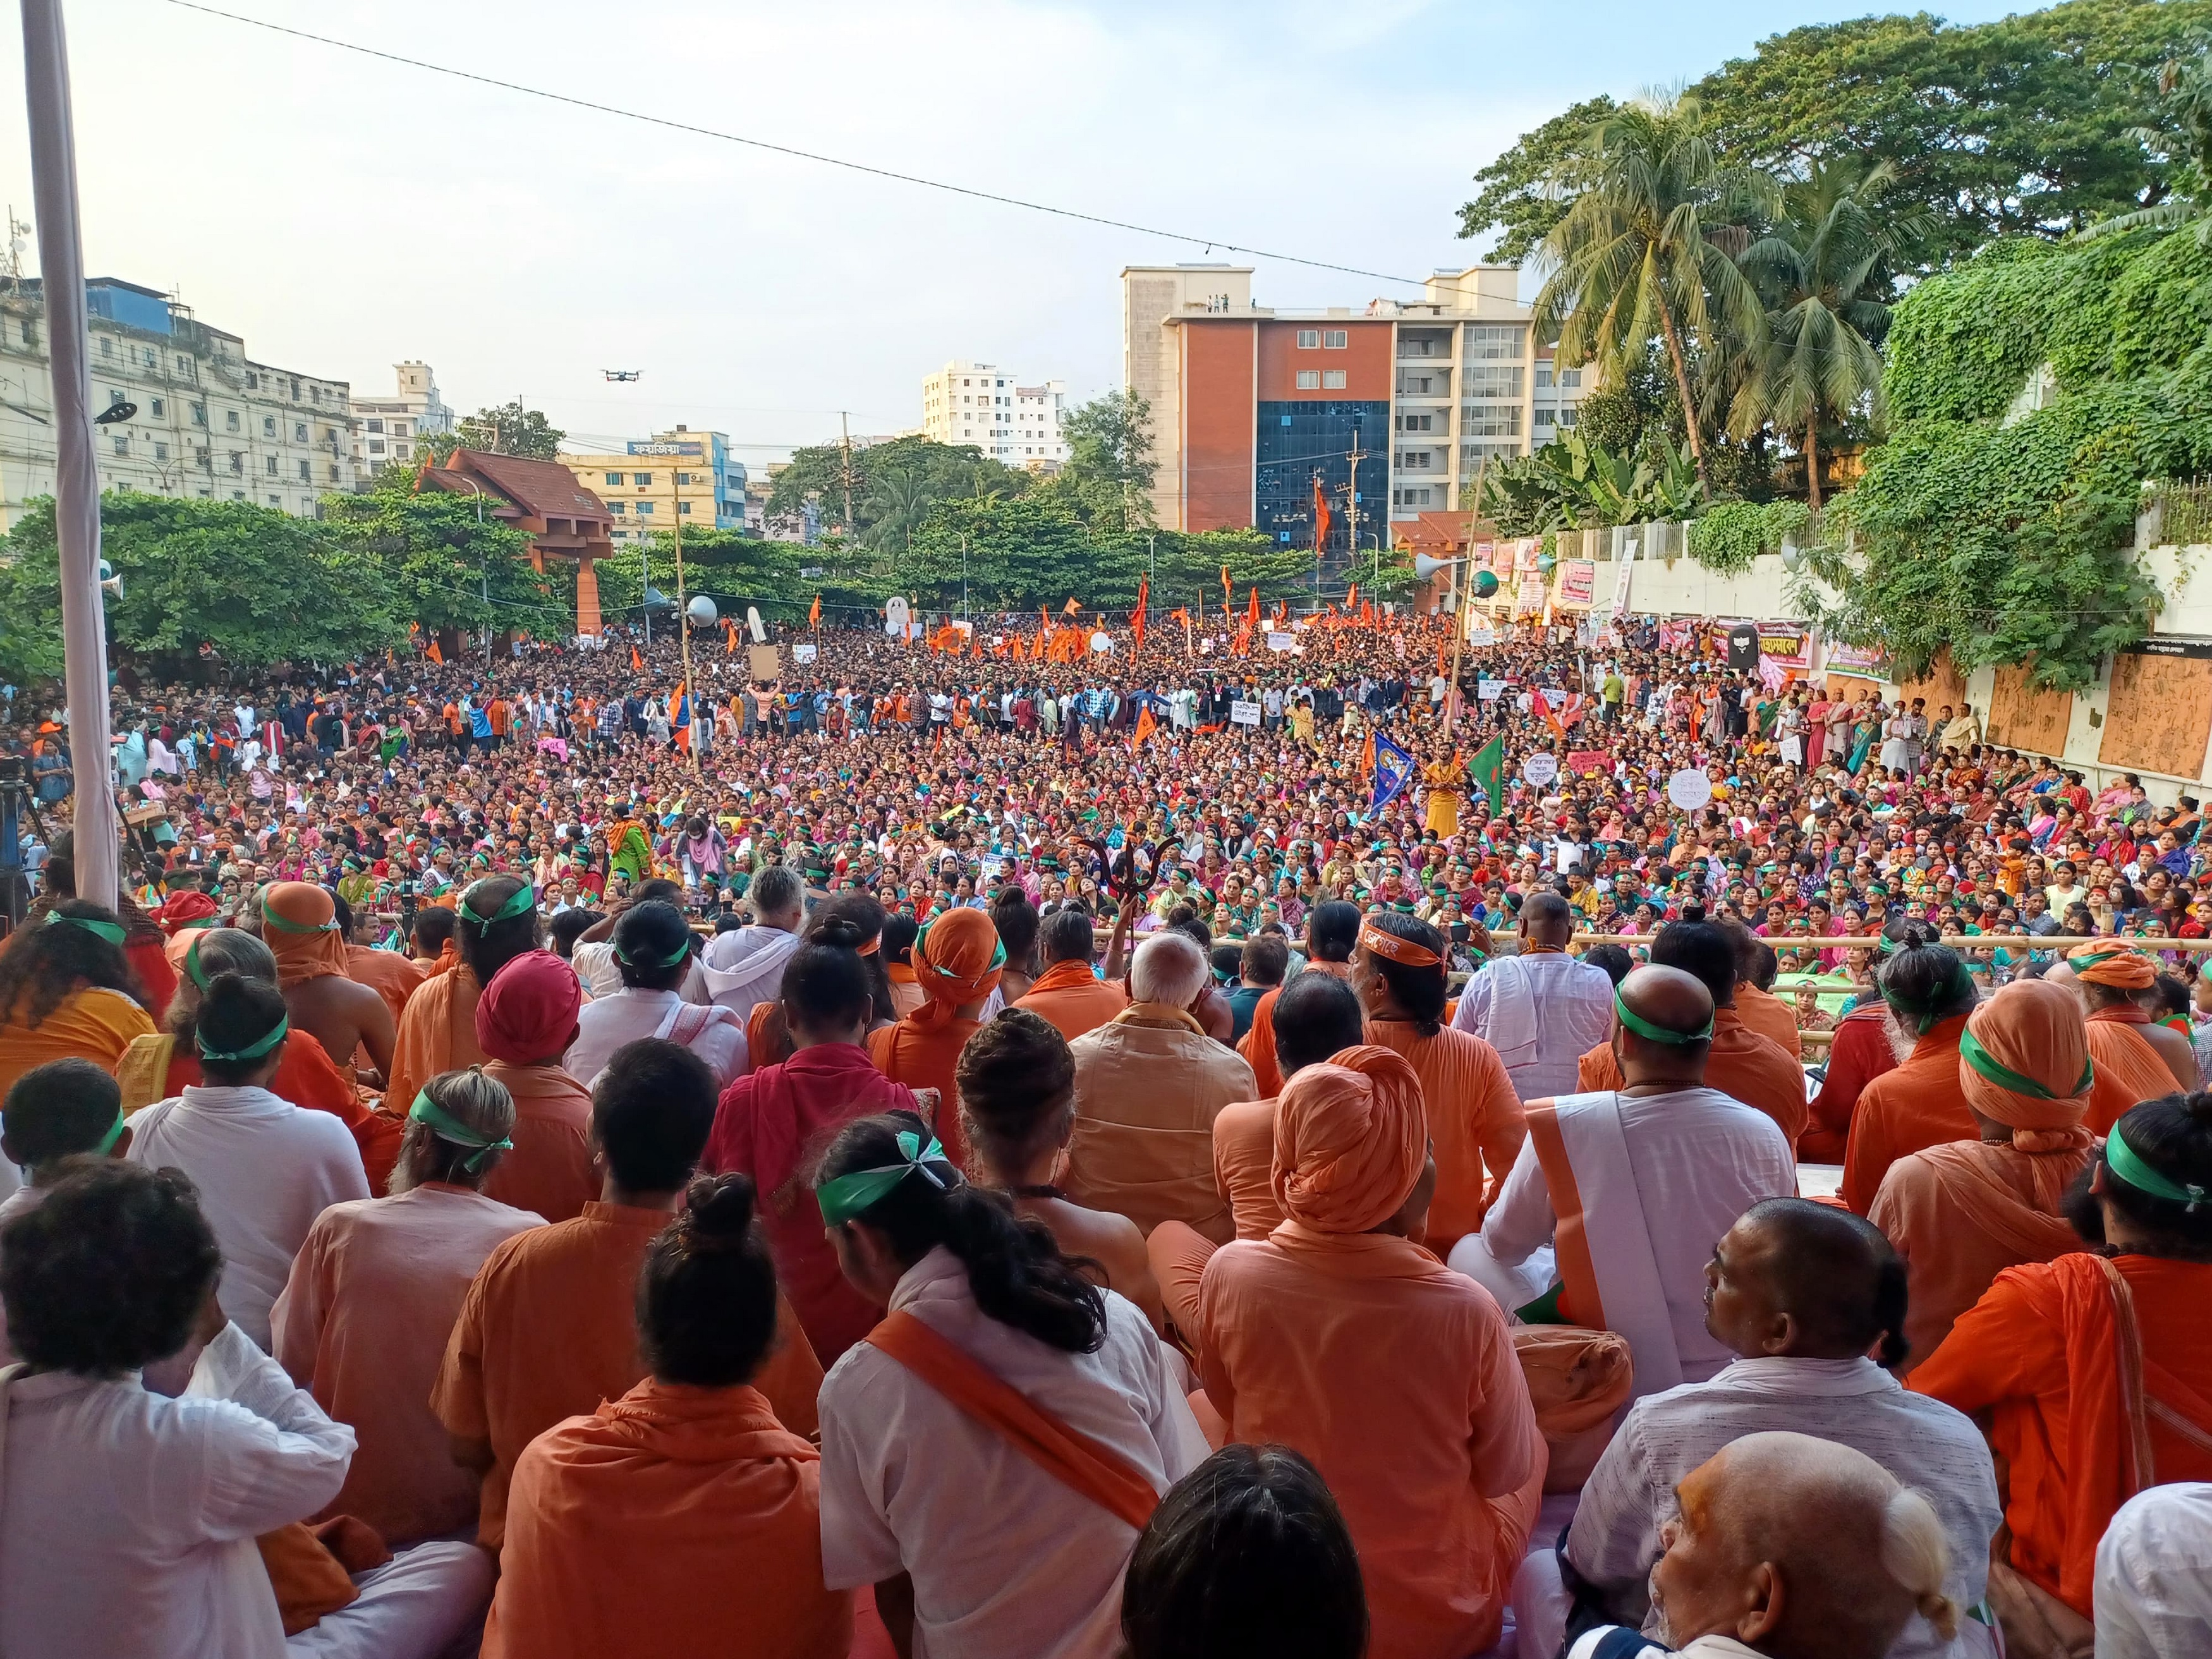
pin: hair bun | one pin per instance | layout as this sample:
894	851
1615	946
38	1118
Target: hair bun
837	931
718	1212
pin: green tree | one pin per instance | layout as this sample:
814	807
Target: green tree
1634	259
1106	479
507	429
446	561
899	501
818	472
1526	190
1818	268
733	569
2182	138
1014	552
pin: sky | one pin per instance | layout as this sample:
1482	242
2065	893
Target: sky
343	212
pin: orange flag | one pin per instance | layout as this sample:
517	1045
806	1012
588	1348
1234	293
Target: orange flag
1145	724
1252	610
1137	622
1224	585
636	662
975	644
1352	599
1070	608
814	616
435	655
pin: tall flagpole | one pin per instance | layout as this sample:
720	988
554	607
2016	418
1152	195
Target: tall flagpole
76	482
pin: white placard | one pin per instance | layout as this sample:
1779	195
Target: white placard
1690	789
802	652
895	617
1537	770
1244	713
1490	690
1280	642
1102	641
1481	634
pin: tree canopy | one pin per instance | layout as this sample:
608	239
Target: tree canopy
506	430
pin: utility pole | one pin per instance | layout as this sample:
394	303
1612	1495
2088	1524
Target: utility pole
1352	502
1463	581
845	426
963	574
683	616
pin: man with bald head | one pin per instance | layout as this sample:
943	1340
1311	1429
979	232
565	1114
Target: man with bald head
1540	1008
1801	1294
1796	1548
1610	1211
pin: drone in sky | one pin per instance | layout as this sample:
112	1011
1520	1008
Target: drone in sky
622	374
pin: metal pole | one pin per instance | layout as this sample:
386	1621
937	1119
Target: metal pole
644	587
683	619
77	491
1463	581
964	578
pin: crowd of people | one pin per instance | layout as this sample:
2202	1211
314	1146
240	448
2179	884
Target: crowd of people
1018	1149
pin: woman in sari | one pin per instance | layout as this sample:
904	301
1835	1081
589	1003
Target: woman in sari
68	991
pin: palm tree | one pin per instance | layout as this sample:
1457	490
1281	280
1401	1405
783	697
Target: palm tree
898	501
1642	252
2186	139
1820	268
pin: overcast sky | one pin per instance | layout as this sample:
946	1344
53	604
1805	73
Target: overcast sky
342	213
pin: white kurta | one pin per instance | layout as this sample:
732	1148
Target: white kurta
745	966
265	1169
2155	1575
607	1023
1008	1562
1561	1010
127	1519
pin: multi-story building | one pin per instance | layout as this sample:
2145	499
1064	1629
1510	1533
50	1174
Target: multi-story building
991	407
1392	409
656	480
390	430
208	421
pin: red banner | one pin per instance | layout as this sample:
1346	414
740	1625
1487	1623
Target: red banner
1590	762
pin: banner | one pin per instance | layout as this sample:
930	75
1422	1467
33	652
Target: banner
1865	660
1530	602
1623	570
1490	690
1394	769
802	652
1786	645
1590	762
1282	641
1244	713
1676	635
1525	552
1578	583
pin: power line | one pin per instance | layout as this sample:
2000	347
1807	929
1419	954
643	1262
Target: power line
1207	242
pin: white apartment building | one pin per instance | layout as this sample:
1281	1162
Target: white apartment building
388	430
993	408
208	421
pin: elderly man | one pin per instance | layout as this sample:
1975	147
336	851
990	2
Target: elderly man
1802	1293
1634	1183
1148	1085
1501	1002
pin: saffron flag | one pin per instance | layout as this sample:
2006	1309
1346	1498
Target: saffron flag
435	655
1394	769
1252	610
1323	517
976	643
1352	599
1137	622
1145	724
636	662
1070	608
1486	771
814	615
1224	585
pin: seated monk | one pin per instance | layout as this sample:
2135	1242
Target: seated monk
2136	1057
549	1329
1017	1081
430	945
300	926
1320	1015
364	1319
1927	993
390	974
1802	1293
857	915
2050	1350
1860	1054
1763	1011
525	1020
1147	1085
770	1122
956	959
1332	931
1068	992
1740	1063
622	1524
1338	1336
163	1065
1791	1548
495	920
68	992
1475	1121
1962	1212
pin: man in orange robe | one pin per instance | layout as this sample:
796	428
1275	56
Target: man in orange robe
1740	1064
1860	1054
549	1328
525	1020
1068	993
1961	1212
300	926
390	975
956	961
438	1032
2096	1369
1339	1336
1927	994
2127	1045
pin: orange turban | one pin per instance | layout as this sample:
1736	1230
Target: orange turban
957	960
1351	1137
2109	962
298	924
2024	1062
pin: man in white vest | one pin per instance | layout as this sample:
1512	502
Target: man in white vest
1612	1208
1541	1008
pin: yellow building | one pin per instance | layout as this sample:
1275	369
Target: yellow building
655	480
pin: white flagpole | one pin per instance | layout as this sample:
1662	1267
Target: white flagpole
77	491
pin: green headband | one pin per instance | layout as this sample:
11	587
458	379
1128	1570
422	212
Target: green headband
518	905
668	961
846	1196
193	971
441	1122
1924	1010
2079	963
198	923
1644	1028
921	937
1970	1051
114	1134
270	919
252	1051
110	931
2120	1158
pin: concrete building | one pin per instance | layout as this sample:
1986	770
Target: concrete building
1251	405
388	430
210	422
992	408
654	481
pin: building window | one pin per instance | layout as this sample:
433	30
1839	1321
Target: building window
161	451
159	408
207	495
123	445
617	507
269	466
683	506
611	477
1492	421
1332	379
106	345
277	500
1419	459
268	426
1567	414
238	495
298	432
400	450
399	429
640	479
1308	380
1309	339
306	472
152	359
1493	342
1334	339
644	510
1493	383
334	471
199	414
1571	377
1417	424
1411	496
230	420
237	464
1543	374
376	426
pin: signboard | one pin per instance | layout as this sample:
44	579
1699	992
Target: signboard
1490	690
1865	660
1623	570
1590	762
763	662
1690	789
1280	641
1481	634
1531	599
1538	770
1578	583
2155	647
1786	645
803	652
641	447
1244	713
1743	647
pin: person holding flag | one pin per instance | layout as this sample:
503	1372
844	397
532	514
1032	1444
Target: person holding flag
1394	769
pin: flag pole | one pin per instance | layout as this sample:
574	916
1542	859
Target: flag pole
1461	582
76	484
683	619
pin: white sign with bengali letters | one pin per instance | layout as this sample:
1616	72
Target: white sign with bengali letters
1244	713
1537	770
1690	789
1280	641
802	652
